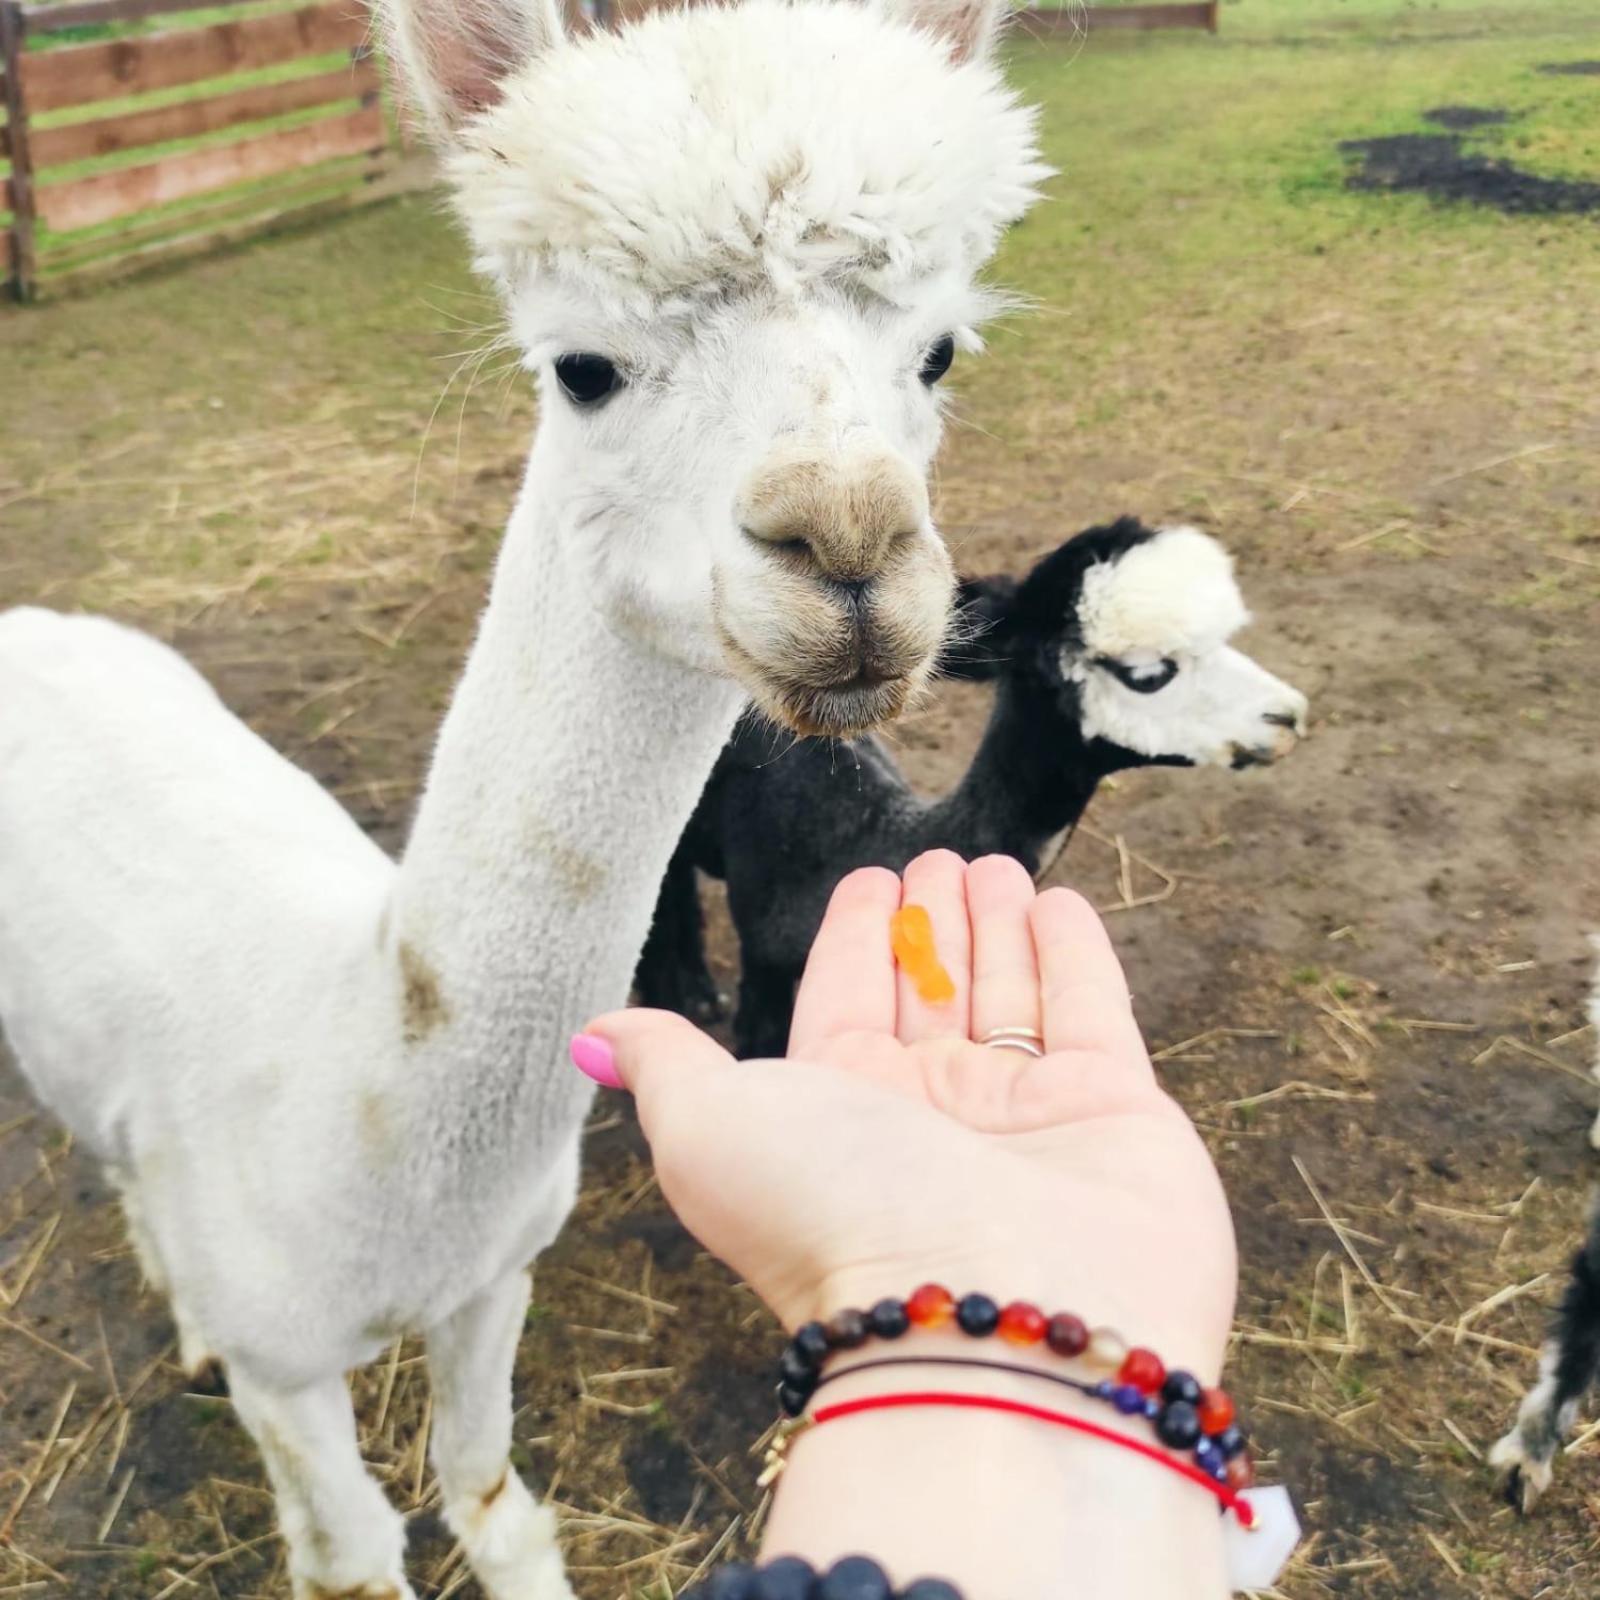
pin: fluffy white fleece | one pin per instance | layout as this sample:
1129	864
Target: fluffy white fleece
1174	593
673	158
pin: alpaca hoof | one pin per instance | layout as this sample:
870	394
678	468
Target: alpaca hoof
208	1377
1524	1477
1594	1134
510	1541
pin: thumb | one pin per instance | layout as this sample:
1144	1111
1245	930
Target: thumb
655	1054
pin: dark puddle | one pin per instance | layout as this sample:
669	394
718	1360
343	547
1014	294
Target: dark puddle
1465	117
1571	69
1434	164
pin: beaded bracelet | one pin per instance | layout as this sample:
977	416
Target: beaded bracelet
1186	1415
790	1578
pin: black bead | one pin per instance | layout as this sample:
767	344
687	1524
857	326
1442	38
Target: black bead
1178	1426
736	1581
796	1367
1182	1386
846	1330
792	1399
787	1578
888	1319
1231	1442
977	1314
855	1578
930	1589
811	1340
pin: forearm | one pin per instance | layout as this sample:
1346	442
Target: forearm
1002	1506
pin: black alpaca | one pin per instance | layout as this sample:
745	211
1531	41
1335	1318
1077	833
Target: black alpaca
1110	654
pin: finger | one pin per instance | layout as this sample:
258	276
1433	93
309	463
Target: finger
1005	973
938	881
662	1057
848	985
1085	995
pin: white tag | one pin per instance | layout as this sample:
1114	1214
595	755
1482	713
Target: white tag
1257	1555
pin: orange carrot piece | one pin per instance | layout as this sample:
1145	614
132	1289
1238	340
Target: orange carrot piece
911	937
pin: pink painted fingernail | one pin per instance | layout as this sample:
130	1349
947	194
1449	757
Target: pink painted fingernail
594	1058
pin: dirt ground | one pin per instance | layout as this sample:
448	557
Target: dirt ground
1363	970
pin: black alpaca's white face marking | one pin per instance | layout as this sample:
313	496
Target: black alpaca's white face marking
1154	672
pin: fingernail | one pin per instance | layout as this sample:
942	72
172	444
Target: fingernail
594	1058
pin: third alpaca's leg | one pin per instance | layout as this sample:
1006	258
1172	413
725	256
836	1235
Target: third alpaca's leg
1569	1364
510	1539
672	972
345	1540
766	1007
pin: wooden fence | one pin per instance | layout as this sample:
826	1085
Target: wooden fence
112	142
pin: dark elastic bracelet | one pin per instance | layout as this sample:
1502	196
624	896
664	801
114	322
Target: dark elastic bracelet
1013	1367
791	1578
1185	1416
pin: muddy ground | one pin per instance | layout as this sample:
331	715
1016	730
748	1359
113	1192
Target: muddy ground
1363	969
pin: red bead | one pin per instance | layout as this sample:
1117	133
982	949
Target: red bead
1216	1411
1021	1323
1067	1335
1144	1370
931	1306
1241	1472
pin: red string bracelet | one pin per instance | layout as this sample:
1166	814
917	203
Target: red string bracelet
1228	1497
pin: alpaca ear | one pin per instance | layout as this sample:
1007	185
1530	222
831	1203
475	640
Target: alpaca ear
453	56
969	27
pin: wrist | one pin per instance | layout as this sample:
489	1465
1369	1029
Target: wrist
996	1503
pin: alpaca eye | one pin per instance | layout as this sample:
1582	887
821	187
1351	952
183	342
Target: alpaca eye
587	379
1141	679
937	361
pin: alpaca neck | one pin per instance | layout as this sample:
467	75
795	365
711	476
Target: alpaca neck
1033	777
567	765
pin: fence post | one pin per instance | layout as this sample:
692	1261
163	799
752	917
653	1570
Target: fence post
1211	16
12	28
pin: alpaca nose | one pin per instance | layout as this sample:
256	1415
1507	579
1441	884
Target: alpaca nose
844	510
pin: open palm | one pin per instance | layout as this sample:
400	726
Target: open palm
888	1148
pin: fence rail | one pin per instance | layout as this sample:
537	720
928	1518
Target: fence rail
80	115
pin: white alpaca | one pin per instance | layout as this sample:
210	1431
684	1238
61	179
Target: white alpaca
734	245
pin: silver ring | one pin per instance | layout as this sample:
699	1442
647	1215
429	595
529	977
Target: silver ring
1028	1040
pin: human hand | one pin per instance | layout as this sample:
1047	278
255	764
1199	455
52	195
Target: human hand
888	1149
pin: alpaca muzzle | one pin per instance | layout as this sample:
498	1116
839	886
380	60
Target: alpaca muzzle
823	655
837	619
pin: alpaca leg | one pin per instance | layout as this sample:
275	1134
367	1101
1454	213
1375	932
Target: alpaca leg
510	1539
672	973
194	1354
345	1541
139	1234
766	1007
1568	1365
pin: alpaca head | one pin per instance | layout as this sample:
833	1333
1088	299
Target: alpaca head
738	246
1130	627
